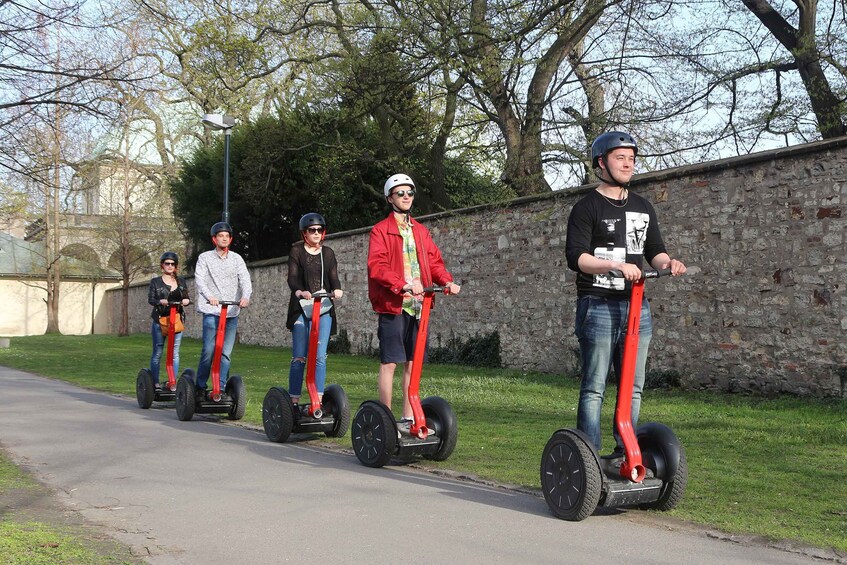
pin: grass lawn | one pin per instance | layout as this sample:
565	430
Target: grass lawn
34	532
768	467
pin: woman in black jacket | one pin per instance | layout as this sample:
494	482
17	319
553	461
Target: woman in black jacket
163	290
311	267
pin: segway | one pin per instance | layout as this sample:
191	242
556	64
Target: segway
234	400
145	388
331	416
653	471
375	434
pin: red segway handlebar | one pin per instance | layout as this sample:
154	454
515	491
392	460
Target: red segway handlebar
632	467
215	371
645	273
321	294
436	288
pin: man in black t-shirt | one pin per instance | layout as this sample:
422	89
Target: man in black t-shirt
611	229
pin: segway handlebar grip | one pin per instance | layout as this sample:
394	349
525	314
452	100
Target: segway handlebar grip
654	274
226	302
435	288
645	273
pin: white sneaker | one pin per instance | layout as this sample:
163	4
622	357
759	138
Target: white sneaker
404	426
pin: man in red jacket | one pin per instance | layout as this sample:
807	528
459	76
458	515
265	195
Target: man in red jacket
402	260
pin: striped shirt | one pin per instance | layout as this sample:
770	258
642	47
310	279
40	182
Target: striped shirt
225	278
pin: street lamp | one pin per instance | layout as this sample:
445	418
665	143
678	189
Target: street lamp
225	123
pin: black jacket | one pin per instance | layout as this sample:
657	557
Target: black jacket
304	273
158	290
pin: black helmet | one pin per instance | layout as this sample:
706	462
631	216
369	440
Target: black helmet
608	141
312	219
169	255
219	227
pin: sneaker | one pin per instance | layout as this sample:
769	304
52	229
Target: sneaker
200	394
405	426
157	387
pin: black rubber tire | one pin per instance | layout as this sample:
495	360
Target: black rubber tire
571	478
185	396
335	402
374	434
277	415
673	490
441	418
238	393
144	389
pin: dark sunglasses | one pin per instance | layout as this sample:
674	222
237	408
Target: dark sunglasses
402	193
315	230
169	264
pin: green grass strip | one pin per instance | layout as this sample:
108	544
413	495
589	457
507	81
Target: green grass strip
35	543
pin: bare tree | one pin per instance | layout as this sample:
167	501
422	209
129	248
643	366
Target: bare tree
807	57
491	60
54	103
218	56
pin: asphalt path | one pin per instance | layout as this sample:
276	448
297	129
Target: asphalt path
209	491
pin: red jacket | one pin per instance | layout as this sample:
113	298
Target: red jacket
385	264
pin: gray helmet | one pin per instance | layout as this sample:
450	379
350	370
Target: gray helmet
219	227
169	255
608	141
312	219
395	181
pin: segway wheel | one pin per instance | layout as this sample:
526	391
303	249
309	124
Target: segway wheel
374	434
335	402
673	490
277	415
570	477
185	396
238	393
664	455
441	418
144	389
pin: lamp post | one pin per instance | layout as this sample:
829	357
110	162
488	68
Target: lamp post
225	123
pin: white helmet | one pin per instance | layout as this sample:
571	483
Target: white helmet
397	180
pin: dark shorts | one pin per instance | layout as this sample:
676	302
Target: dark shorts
397	335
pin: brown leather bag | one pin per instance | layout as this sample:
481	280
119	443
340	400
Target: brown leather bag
178	325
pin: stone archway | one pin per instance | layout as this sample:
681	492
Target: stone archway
139	259
82	252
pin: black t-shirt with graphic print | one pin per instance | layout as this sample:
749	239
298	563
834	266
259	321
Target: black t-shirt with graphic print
611	229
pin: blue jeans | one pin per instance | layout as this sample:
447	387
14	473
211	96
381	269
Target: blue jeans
158	346
210	330
601	329
300	347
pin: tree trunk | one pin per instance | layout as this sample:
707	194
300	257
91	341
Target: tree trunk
438	151
53	280
123	330
523	170
51	241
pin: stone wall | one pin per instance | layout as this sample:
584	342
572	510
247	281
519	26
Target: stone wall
763	309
